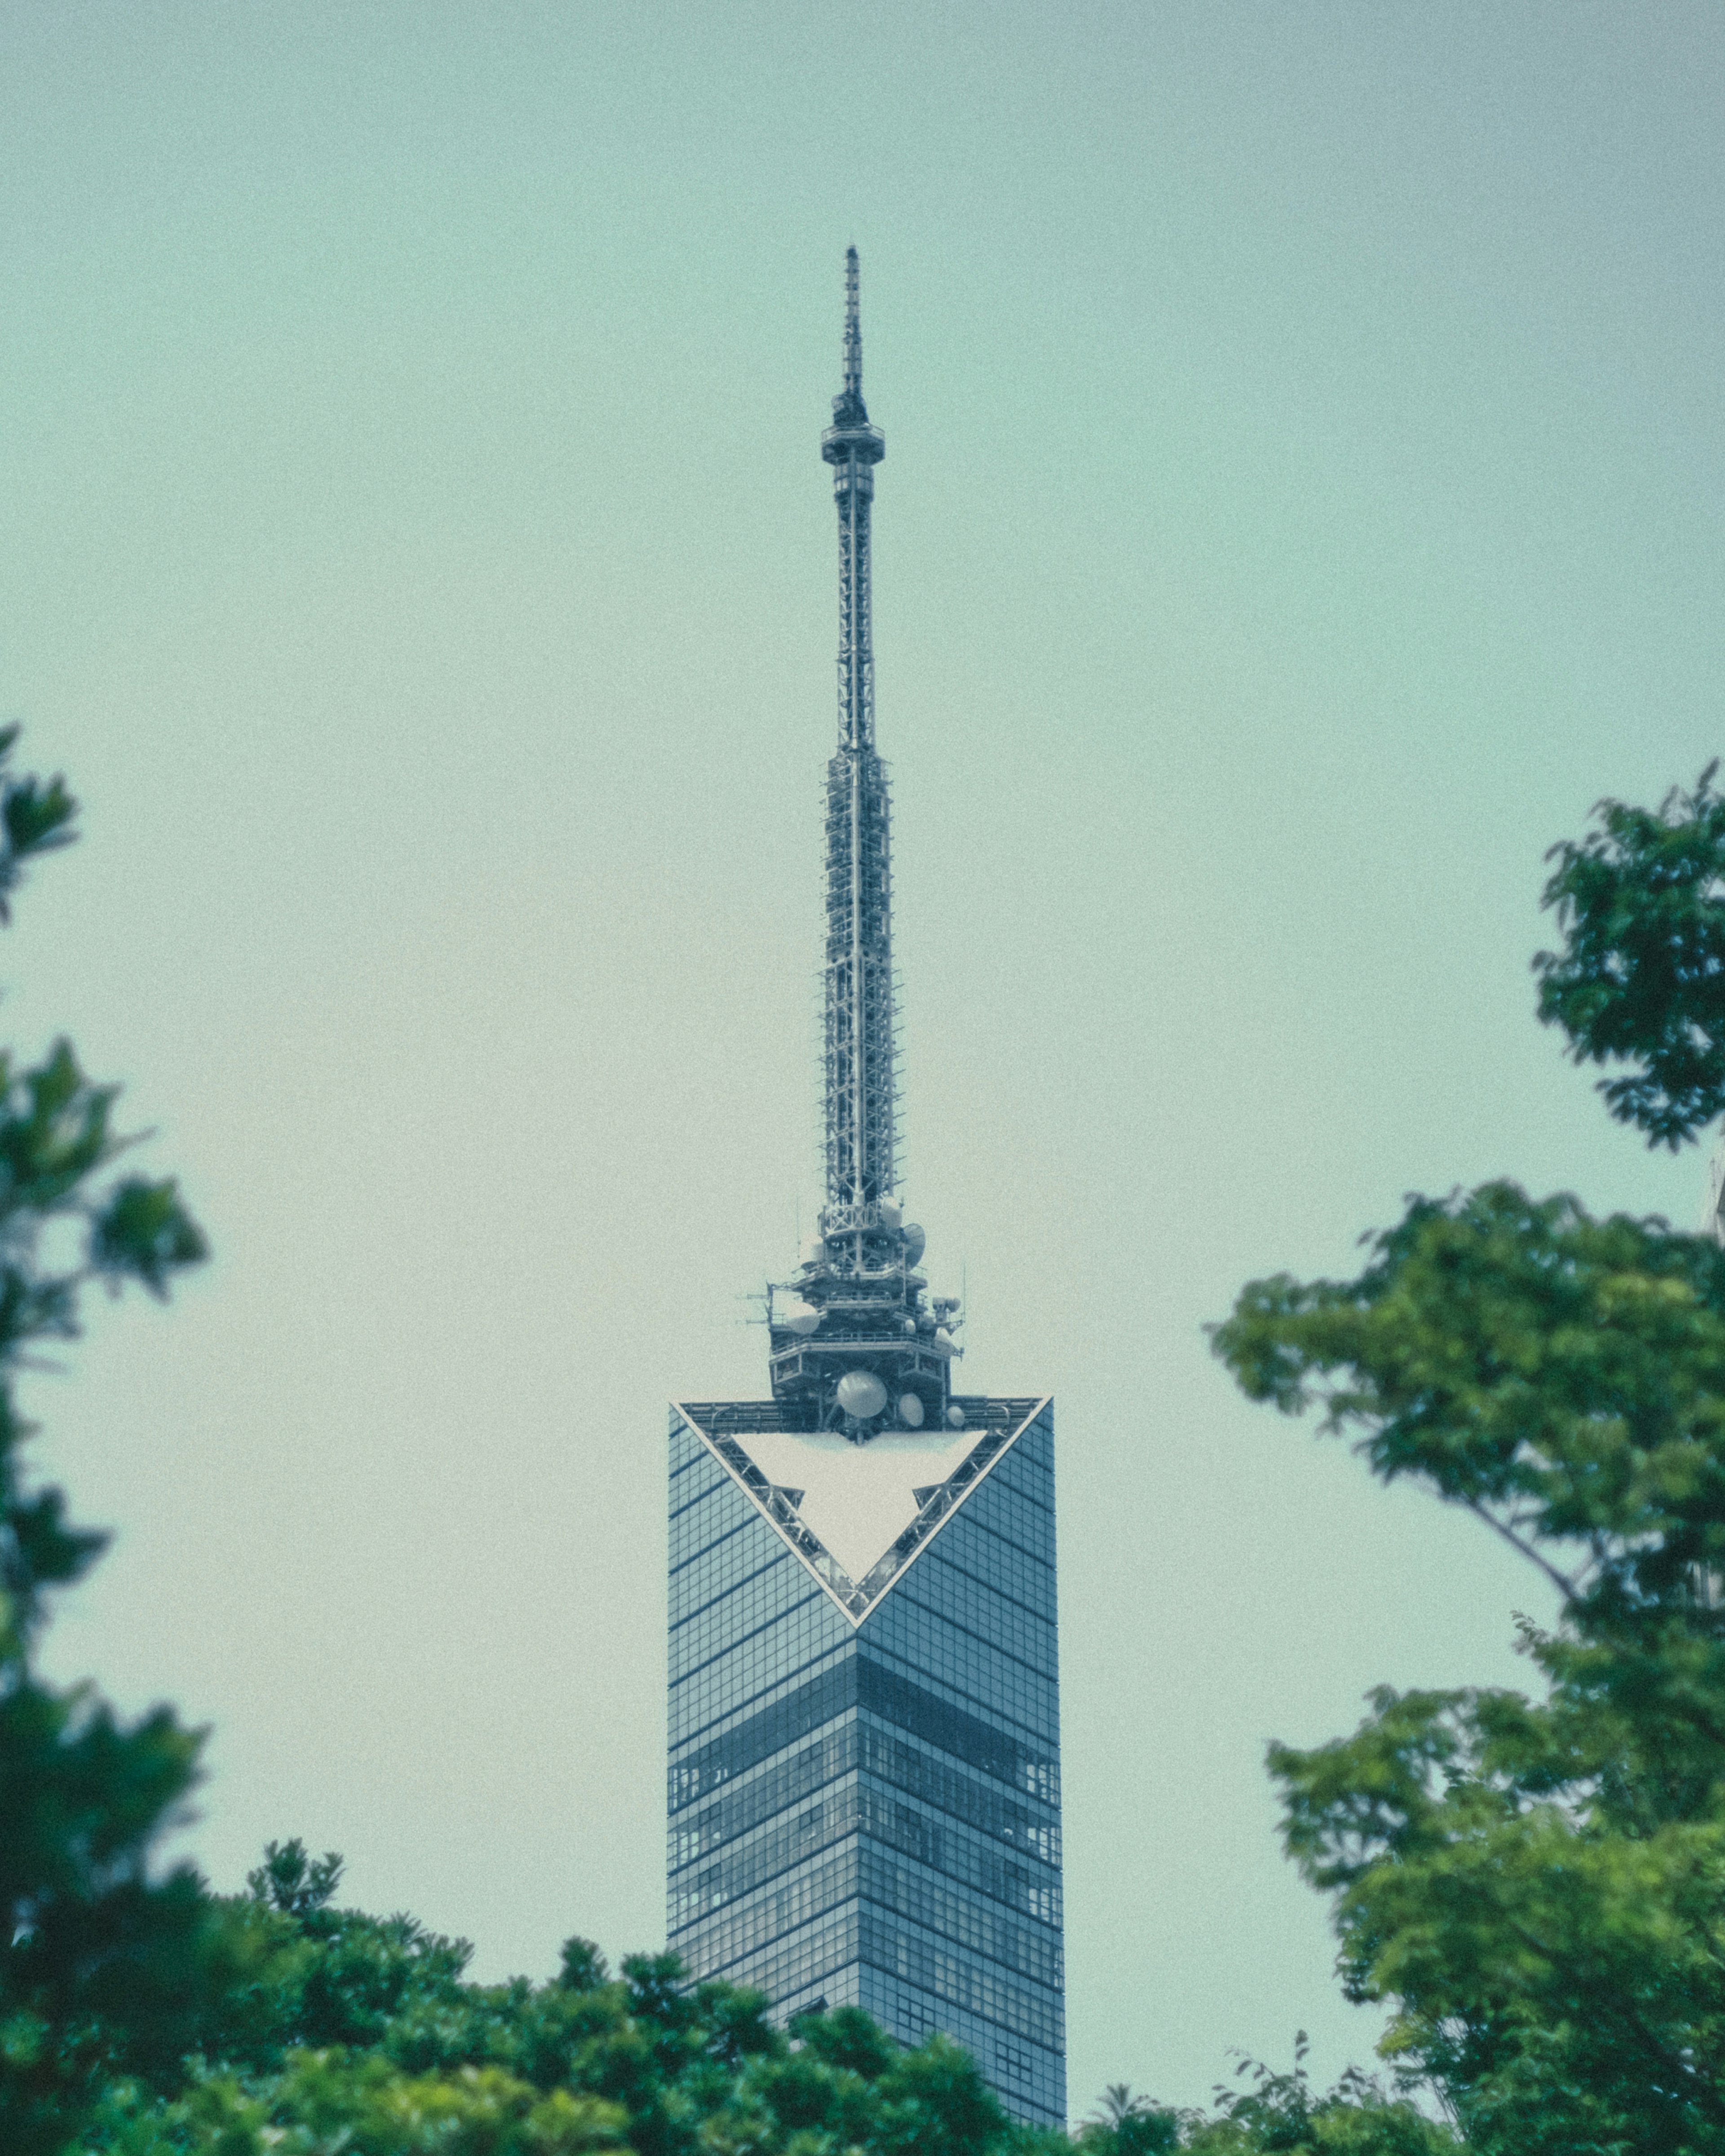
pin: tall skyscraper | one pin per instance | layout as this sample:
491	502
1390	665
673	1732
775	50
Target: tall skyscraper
865	1733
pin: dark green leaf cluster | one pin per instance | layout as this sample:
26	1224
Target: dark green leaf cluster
341	2032
351	2032
101	1965
1268	2111
36	817
1537	1888
1563	1378
1640	977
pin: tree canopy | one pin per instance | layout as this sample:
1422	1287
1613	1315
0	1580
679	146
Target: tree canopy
1536	1888
100	1965
1640	978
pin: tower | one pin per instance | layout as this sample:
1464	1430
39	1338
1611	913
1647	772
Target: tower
864	1727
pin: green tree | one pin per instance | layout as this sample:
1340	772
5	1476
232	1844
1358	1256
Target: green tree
1537	1888
100	1963
360	2034
1123	2124
1269	2111
1640	978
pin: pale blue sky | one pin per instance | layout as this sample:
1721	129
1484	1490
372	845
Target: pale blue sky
1302	502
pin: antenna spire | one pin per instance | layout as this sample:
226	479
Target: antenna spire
861	1339
861	1074
852	397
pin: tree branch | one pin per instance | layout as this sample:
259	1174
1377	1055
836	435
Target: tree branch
1565	1586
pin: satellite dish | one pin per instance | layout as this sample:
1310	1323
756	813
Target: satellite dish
955	1418
799	1317
890	1212
910	1328
815	1250
910	1411
916	1242
862	1393
942	1339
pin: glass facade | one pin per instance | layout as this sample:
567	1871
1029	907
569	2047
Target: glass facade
867	1812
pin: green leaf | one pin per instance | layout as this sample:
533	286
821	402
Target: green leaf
1641	976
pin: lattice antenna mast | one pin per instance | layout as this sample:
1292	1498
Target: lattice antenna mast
855	1339
861	1077
851	397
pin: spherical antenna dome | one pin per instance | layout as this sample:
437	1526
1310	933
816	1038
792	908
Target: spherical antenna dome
862	1393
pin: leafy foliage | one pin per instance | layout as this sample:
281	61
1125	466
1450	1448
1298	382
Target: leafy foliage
1563	1377
360	2034
1282	2111
1641	977
100	1965
1123	2124
1537	1888
36	817
1551	1950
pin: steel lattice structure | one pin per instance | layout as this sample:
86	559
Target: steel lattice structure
858	1307
861	1074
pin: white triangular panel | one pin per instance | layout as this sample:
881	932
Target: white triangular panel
857	1516
858	1499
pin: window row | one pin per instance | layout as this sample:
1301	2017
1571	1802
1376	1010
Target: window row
932	1966
802	1960
924	1712
756	1599
717	1512
943	1581
717	1571
1023	1470
1029	1950
952	1659
709	1949
902	1765
686	1446
860	1677
776	1724
785	1646
896	1823
1016	1518
698	1479
976	1548
1040	2098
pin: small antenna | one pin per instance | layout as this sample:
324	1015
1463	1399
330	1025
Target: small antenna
853	329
